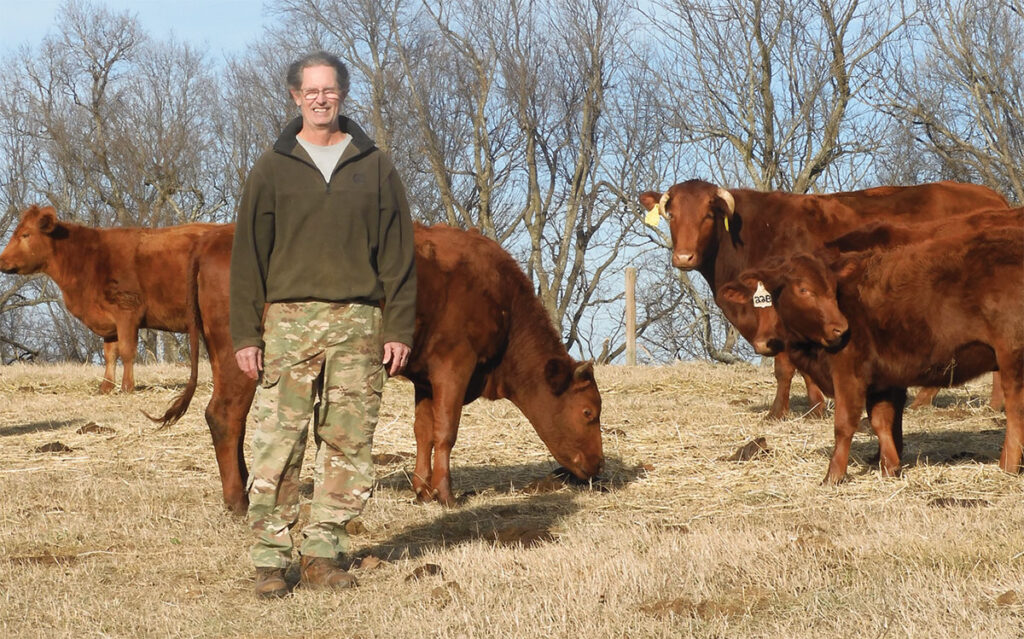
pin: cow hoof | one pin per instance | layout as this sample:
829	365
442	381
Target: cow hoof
833	480
238	508
105	388
894	471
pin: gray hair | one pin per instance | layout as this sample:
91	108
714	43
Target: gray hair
317	59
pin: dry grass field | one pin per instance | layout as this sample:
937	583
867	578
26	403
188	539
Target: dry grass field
112	528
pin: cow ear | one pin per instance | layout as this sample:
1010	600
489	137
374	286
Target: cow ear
649	199
558	374
848	265
47	219
584	372
735	292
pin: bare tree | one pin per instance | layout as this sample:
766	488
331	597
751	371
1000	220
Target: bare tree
110	127
505	125
771	95
961	95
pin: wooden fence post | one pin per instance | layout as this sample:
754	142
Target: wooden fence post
630	316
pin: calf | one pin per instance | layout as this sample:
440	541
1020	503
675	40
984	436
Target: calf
115	280
936	312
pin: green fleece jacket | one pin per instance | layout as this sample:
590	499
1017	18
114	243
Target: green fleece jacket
299	237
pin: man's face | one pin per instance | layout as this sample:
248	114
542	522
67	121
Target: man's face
319	97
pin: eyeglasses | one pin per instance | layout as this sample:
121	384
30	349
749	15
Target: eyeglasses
313	94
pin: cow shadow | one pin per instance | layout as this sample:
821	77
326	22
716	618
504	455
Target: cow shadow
955	399
799	407
469	481
525	524
38	427
934	448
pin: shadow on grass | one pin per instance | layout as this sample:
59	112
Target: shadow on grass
548	497
38	427
527	523
934	448
958	400
469	481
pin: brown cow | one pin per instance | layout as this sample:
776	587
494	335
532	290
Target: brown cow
480	332
936	312
114	280
882	234
720	233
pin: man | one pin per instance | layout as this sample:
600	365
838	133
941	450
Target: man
323	241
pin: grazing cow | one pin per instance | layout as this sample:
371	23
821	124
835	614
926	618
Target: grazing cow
480	332
721	232
936	312
114	280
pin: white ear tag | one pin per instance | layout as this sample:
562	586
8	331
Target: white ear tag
762	298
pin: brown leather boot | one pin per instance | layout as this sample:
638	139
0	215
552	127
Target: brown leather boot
324	573
270	583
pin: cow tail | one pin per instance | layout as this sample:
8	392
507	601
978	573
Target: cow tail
195	328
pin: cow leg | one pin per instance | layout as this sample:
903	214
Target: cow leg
850	397
447	413
225	417
1011	369
924	397
109	364
423	426
226	420
885	410
815	397
998	400
449	387
784	371
127	343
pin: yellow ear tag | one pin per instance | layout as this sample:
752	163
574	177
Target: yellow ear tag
653	216
726	218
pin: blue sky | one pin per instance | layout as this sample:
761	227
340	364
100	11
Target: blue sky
222	25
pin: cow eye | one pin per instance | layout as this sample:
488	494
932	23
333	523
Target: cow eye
588	413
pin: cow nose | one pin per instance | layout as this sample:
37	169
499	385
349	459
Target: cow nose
683	260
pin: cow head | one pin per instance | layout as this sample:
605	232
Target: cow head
31	243
749	306
568	417
803	291
694	210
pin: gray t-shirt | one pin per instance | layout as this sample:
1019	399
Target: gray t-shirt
325	157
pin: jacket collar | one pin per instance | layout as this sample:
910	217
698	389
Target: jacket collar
287	143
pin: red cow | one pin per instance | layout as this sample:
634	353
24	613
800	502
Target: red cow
936	312
720	233
115	280
480	332
881	234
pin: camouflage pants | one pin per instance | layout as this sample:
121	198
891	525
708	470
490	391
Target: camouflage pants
322	361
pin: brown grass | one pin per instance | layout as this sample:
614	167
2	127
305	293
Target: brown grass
123	535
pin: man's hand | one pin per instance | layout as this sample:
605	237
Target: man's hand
397	354
250	360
